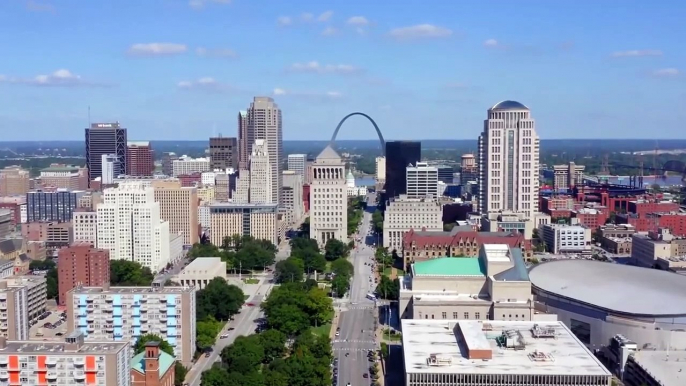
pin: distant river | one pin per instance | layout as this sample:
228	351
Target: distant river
365	181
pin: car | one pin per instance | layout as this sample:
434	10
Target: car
231	328
223	336
365	375
250	304
207	354
338	333
59	334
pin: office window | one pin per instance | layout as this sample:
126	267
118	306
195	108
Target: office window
444	315
466	315
454	315
477	315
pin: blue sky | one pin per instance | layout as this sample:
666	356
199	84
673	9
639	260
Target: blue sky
429	69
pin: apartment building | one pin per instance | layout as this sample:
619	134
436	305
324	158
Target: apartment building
53	205
380	169
123	314
257	220
186	165
36	293
404	213
297	163
14	181
422	180
291	196
648	249
568	176
5	223
72	362
85	224
14	313
328	198
179	207
562	238
140	159
81	263
223	152
130	226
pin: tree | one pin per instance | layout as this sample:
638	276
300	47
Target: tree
42	265
318	306
340	285
288	318
294	307
129	273
388	289
335	249
289	270
219	300
143	339
274	344
202	250
244	355
215	376
342	267
180	372
206	331
252	255
377	221
303	243
52	284
312	259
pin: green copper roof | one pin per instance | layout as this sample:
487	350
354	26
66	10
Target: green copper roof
166	361
451	266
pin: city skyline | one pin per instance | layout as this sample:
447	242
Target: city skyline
613	70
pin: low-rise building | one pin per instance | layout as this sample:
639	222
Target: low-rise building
452	352
590	218
403	213
54	234
257	220
509	222
187	165
123	314
648	248
562	238
64	177
152	367
201	271
72	362
567	176
36	294
655	368
493	286
459	242
6	226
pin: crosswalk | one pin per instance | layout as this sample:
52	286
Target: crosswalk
358	307
351	349
353	341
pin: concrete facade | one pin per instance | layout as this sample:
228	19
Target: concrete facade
561	238
201	271
179	207
81	263
257	220
263	122
404	213
328	198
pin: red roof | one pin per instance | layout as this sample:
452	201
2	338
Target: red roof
423	239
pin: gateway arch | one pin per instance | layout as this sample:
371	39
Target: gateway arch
376	127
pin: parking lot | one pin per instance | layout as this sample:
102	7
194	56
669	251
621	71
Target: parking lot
42	329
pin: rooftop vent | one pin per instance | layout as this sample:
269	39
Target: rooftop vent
539	331
438	360
539	356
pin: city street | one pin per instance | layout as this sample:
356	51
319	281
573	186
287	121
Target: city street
357	314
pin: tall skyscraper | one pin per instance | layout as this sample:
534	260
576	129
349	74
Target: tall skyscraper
297	163
243	153
101	139
130	226
328	198
140	161
261	187
400	154
264	122
178	206
508	160
422	180
223	153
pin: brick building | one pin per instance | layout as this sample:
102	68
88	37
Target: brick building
81	263
152	367
422	245
140	161
190	180
590	217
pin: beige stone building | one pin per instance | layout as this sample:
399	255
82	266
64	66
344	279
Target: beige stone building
35	298
178	206
85	223
403	214
14	181
257	220
328	198
72	362
64	177
569	175
201	271
647	249
493	286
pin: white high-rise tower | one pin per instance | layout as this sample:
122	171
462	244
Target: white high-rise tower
260	174
508	161
328	198
263	121
130	227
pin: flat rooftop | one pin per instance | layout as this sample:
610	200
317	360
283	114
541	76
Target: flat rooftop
50	348
131	290
562	354
667	367
203	263
653	292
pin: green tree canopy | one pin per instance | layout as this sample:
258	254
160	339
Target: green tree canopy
340	285
219	300
42	265
180	372
203	250
253	255
311	258
303	243
144	339
206	331
335	249
388	289
244	355
274	344
289	270
342	267
215	376
293	307
129	273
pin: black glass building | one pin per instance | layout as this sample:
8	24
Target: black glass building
399	154
103	139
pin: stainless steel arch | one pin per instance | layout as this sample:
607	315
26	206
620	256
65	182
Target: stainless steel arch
381	140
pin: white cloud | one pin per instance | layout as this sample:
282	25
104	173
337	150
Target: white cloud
328	95
317	68
420	31
358	21
199	4
306	17
666	73
157	49
207	84
329	31
284	21
325	16
59	78
215	52
636	53
492	43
